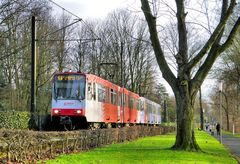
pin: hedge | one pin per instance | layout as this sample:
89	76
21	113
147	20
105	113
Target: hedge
30	146
14	119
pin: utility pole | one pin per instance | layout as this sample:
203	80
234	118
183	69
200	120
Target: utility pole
33	73
122	78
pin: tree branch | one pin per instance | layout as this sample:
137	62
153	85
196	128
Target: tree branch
230	38
182	33
213	45
214	37
151	20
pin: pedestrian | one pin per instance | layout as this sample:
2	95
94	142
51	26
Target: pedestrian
210	128
207	127
218	129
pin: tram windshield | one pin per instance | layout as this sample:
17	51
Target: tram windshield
69	87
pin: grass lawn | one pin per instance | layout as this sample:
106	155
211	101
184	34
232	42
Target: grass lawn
230	133
237	135
151	150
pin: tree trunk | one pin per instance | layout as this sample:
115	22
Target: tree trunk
185	138
227	116
201	109
226	109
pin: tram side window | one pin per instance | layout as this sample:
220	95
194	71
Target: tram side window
142	106
138	105
131	102
101	94
113	97
149	108
125	100
89	91
134	103
119	99
94	91
155	109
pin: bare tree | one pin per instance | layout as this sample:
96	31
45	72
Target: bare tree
81	50
185	85
123	41
15	50
61	35
128	39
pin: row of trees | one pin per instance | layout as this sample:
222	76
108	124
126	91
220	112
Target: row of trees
229	73
15	49
99	47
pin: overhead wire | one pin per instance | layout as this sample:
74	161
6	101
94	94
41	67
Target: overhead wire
62	28
86	24
65	9
78	20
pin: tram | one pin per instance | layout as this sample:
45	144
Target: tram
82	100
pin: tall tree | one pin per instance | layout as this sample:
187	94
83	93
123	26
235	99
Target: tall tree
121	37
230	73
15	49
128	38
62	34
186	84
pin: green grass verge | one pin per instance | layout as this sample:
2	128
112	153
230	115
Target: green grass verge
237	135
152	150
230	133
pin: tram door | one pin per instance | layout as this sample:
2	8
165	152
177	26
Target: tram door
119	105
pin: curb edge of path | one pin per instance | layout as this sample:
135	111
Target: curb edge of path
232	153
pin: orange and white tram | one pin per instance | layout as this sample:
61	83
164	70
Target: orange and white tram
80	100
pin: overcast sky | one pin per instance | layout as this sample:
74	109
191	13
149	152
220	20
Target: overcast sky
96	8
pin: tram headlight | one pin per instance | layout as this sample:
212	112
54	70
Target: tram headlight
78	111
56	111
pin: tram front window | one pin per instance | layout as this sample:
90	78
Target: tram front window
69	87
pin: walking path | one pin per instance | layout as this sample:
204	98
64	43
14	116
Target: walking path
232	143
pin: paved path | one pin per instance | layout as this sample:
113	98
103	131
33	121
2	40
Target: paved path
232	143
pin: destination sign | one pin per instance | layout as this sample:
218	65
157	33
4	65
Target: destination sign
68	77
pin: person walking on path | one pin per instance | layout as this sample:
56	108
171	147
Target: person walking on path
218	129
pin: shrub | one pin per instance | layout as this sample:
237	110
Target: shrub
14	120
26	145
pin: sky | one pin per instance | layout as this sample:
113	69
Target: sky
98	9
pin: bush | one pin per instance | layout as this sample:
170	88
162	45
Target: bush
14	120
30	146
